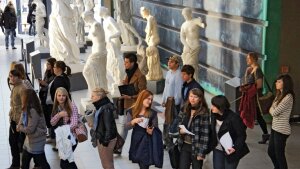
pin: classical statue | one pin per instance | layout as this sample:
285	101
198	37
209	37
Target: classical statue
89	5
40	16
189	37
115	63
62	34
78	8
94	70
128	32
152	40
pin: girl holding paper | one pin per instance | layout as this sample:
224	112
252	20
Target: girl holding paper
194	131
228	135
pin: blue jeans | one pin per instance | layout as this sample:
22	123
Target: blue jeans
220	161
11	33
276	149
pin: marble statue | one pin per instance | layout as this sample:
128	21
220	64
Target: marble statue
189	37
128	32
115	63
40	15
152	40
89	5
94	70
62	34
78	8
142	59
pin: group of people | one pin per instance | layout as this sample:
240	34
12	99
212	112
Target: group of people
34	117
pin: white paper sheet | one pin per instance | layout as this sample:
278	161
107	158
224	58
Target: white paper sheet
144	123
226	142
186	130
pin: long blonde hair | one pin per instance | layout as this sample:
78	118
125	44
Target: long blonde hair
67	105
138	105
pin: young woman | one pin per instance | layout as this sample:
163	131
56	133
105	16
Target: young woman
104	127
64	112
26	81
32	123
195	118
254	76
146	147
48	78
225	121
281	129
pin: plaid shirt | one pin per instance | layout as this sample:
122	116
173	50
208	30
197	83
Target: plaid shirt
200	127
73	120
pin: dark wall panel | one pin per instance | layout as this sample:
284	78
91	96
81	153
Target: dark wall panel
224	42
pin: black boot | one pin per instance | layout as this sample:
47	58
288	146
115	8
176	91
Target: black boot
265	138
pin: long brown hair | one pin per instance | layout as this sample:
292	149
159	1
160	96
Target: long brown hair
20	67
202	108
67	105
138	105
288	87
31	101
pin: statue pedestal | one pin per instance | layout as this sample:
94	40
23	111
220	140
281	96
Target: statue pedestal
126	49
76	79
156	87
30	47
232	92
35	60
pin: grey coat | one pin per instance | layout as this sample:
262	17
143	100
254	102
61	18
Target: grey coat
35	132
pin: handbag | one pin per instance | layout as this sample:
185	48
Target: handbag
81	132
265	101
119	143
174	155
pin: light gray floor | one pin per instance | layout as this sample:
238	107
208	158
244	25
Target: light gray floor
86	156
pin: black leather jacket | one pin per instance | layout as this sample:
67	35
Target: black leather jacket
106	128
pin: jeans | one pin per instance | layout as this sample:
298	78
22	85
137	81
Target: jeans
220	161
186	158
39	160
276	149
124	129
11	33
106	154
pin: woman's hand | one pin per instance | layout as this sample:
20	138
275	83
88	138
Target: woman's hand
18	128
200	158
135	121
63	114
149	130
42	82
230	151
181	131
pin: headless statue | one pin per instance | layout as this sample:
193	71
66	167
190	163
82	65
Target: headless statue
40	16
189	37
94	70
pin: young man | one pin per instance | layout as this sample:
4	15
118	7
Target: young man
187	73
133	76
173	84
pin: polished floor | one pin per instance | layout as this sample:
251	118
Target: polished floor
86	157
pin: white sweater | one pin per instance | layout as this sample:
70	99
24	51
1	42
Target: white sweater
281	115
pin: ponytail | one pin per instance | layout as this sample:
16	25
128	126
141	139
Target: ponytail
68	70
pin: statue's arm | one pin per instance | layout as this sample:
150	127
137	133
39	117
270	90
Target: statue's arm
199	22
183	36
134	32
115	27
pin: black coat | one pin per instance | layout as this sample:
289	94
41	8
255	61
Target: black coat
237	130
146	149
106	128
60	81
193	84
9	18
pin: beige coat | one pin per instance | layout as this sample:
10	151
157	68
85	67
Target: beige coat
15	102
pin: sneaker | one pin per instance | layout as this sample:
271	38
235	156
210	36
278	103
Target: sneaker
13	48
12	167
